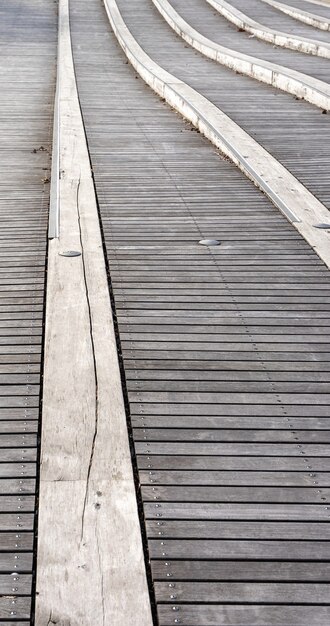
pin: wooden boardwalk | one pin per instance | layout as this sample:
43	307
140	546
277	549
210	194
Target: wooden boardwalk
294	132
225	351
271	17
212	25
27	67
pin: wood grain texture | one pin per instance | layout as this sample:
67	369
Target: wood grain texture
227	371
27	73
90	560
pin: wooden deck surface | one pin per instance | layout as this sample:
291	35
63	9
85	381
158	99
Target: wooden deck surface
225	349
27	68
211	24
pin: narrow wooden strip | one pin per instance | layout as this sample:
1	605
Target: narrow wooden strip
185	529
240	570
236	593
245	615
98	571
255	550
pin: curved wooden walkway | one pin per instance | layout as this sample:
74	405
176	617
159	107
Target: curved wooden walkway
224	350
228	391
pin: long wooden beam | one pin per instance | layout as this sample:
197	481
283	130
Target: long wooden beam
91	569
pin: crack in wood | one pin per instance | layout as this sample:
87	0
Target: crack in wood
91	458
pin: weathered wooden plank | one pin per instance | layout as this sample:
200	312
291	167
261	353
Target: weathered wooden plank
237	593
269	478
231	435
247	549
98	571
231	421
240	570
186	529
12	562
239	449
15	607
237	511
237	463
300	410
17	469
245	614
21	586
255	493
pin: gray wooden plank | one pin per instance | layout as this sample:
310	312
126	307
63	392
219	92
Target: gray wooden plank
257	435
233	422
237	593
12	562
19	607
237	549
219	386
245	615
237	511
269	478
22	586
172	462
255	493
186	529
239	449
240	570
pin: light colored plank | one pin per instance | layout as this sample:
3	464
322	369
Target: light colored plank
91	568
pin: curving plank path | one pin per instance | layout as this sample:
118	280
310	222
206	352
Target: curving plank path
211	24
296	83
213	344
270	25
220	403
299	13
299	138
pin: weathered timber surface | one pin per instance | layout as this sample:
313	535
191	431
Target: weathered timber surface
294	132
215	27
224	350
91	569
27	70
